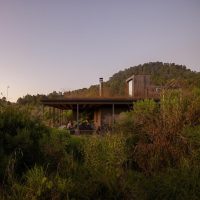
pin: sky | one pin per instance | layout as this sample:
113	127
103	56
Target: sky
59	45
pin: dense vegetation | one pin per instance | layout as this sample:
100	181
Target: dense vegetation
35	99
152	153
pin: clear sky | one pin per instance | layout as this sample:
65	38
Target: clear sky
48	45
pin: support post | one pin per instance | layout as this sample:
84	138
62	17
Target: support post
113	114
77	118
53	116
43	112
57	117
60	118
50	116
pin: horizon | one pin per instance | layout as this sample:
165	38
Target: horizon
51	46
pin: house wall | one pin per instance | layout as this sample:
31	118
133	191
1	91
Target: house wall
104	115
141	85
138	86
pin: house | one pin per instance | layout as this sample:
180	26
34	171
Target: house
103	111
139	86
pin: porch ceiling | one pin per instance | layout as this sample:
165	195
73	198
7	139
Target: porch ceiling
86	103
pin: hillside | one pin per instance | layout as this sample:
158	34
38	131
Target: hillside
162	73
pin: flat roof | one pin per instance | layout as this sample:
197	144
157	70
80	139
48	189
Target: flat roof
71	103
131	77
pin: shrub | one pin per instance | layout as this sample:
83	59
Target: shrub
103	160
37	184
181	183
156	141
20	132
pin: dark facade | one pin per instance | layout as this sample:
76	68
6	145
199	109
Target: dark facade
139	86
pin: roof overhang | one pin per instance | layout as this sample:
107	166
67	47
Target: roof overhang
130	78
86	103
71	103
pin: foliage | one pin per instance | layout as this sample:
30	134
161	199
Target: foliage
157	140
101	173
35	99
37	185
153	153
20	132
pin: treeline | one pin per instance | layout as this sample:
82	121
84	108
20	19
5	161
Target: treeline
161	74
35	99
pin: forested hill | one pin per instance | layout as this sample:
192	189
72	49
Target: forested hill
162	74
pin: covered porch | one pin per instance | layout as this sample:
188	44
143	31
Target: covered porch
101	111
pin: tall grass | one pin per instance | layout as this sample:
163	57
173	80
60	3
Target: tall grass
153	154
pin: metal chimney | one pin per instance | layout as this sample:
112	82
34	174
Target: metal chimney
100	87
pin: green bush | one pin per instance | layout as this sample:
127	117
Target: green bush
36	184
20	132
156	141
153	154
180	184
102	170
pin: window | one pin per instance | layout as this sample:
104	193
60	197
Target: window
130	88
